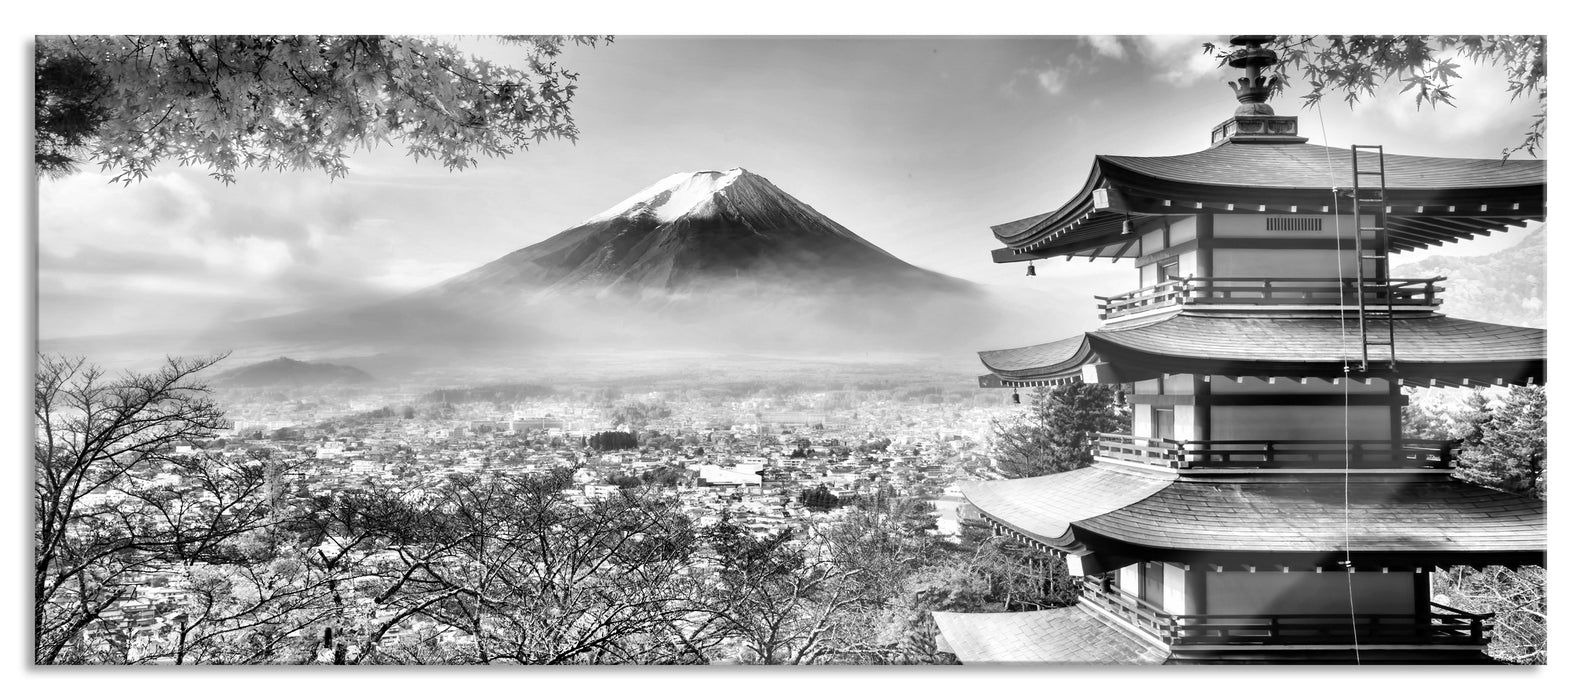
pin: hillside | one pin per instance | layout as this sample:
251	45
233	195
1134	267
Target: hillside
285	371
1505	286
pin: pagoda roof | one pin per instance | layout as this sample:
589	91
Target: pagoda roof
1312	166
1432	200
1432	347
1070	635
1124	512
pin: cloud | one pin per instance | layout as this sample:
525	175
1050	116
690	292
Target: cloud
176	250
1052	80
1179	59
1108	46
1044	75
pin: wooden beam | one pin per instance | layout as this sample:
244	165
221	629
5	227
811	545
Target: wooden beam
1493	224
1125	248
1170	252
1422	240
1307	243
1425	226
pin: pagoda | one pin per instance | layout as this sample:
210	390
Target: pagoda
1265	506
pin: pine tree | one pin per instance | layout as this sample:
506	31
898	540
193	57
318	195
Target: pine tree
1056	436
1506	448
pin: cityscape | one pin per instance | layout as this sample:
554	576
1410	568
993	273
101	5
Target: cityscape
749	460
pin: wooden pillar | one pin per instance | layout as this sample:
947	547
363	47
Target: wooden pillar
1201	408
1397	413
1422	594
1205	246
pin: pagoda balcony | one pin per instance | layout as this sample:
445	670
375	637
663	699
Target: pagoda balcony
1442	625
1275	454
1243	292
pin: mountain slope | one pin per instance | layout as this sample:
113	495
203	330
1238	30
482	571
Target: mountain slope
690	231
1506	286
285	371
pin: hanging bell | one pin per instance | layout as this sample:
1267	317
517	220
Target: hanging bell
1015	397
1030	271
1126	226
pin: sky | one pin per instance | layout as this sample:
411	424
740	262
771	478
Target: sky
918	144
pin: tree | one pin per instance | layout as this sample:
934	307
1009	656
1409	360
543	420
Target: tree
612	440
1506	448
525	575
780	597
818	498
988	574
127	103
1355	66
639	414
113	505
1519	600
1443	413
1056	435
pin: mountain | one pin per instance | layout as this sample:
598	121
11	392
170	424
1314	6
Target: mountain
706	261
1506	286
691	232
285	371
696	268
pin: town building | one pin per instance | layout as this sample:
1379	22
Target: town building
1265	505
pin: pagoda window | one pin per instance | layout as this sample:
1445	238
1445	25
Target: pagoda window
1169	267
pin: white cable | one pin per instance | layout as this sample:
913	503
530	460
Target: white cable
1345	416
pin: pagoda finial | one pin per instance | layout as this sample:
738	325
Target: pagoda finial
1253	90
1254	120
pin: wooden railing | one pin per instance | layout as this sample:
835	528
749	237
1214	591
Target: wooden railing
1270	291
1171	291
1441	625
1276	454
1129	608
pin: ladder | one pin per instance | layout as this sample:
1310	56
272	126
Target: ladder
1370	215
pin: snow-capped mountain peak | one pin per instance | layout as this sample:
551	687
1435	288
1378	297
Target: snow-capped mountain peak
672	197
695	231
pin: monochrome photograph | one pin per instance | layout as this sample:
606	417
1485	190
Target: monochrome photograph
1069	350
